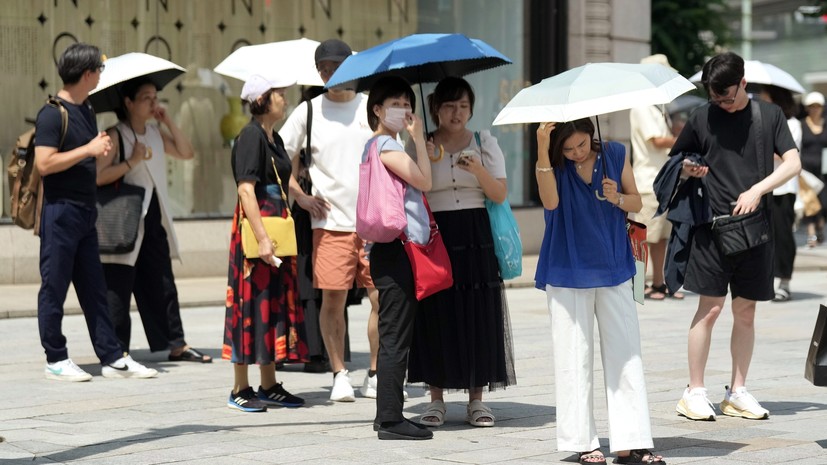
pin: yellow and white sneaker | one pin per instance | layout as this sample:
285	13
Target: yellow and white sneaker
695	405
740	403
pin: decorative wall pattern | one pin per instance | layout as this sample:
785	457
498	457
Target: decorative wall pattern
196	34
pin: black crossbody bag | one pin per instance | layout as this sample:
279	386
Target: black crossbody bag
737	234
120	212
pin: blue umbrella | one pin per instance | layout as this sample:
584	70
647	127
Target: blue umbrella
417	58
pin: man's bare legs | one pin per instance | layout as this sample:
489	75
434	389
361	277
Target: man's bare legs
657	251
700	336
742	340
332	324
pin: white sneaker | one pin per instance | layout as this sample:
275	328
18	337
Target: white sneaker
740	403
695	405
125	367
342	391
368	388
66	370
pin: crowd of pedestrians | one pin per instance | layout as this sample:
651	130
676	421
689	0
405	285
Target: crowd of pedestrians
735	156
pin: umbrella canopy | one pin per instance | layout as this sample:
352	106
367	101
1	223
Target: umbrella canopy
119	69
684	104
271	59
594	89
417	58
758	72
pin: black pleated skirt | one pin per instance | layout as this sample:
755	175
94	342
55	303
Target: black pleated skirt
462	335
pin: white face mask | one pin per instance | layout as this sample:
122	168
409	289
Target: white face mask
395	118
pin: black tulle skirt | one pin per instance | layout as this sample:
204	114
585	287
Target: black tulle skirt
462	335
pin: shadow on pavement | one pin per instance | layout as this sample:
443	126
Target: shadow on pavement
791	408
106	447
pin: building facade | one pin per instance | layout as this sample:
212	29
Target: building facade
542	38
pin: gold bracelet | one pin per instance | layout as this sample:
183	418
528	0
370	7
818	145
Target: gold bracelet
544	170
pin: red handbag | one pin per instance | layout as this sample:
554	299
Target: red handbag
430	263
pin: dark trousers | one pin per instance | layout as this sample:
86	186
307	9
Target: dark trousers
69	254
152	283
391	273
783	218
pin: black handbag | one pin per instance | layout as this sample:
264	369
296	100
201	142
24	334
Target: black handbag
736	234
816	369
120	207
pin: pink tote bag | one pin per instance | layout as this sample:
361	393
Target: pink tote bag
380	204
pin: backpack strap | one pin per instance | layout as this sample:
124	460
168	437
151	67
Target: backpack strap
64	128
64	118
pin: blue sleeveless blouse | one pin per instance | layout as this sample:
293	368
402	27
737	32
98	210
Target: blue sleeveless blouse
585	244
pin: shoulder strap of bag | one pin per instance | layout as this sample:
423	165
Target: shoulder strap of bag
64	128
479	144
278	181
404	238
121	156
64	119
307	154
759	143
281	190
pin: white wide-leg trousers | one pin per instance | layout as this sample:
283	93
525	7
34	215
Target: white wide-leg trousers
573	312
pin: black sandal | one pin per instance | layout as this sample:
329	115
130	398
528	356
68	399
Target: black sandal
190	355
662	289
592	457
636	456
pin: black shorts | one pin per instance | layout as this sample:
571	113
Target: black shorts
710	272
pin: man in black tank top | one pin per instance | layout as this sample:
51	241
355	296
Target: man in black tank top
68	238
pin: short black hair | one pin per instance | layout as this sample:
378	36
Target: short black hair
129	89
449	89
261	105
385	88
76	60
722	71
561	133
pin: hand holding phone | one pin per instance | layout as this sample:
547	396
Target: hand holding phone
464	157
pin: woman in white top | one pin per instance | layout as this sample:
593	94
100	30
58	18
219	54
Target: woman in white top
783	198
146	271
462	336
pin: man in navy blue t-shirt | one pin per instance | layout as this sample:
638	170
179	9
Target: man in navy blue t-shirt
68	238
736	179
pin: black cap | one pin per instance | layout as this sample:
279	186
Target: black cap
332	50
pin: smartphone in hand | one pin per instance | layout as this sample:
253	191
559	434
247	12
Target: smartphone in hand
688	162
465	156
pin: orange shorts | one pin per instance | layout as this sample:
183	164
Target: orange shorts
339	258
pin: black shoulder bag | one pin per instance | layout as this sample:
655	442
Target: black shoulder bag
119	207
737	234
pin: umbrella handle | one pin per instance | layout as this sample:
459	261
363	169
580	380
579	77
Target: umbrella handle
597	193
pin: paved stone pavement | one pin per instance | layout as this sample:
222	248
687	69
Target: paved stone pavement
181	417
